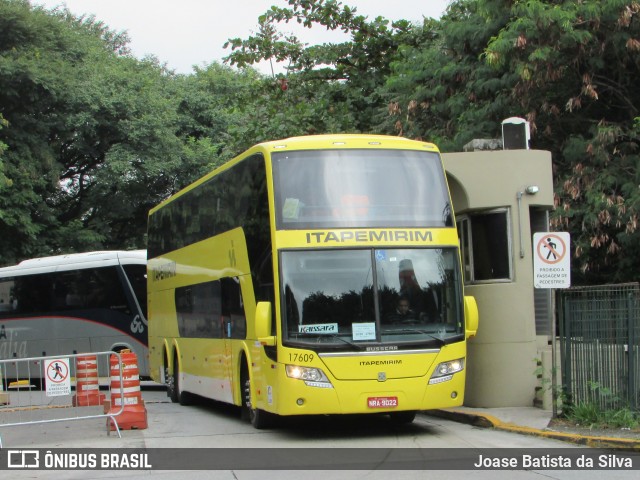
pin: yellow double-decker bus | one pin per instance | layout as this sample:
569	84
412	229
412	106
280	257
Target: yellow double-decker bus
312	275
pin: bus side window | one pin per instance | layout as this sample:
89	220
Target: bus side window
95	288
7	300
198	308
263	284
137	275
235	322
33	294
105	290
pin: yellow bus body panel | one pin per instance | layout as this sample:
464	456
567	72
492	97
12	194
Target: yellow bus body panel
211	367
355	379
374	237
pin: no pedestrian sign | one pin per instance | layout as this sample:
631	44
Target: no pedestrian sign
551	260
57	379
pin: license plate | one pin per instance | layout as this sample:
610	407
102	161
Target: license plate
382	402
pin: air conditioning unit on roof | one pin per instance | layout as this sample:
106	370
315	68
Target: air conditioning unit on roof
515	134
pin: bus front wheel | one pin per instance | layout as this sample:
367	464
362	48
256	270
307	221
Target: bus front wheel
180	396
258	418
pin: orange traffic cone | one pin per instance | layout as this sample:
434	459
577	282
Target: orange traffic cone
134	413
87	387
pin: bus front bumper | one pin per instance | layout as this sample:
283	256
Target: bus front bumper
297	397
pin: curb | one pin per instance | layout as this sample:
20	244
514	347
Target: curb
488	421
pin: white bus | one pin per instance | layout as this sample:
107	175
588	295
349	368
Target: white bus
76	303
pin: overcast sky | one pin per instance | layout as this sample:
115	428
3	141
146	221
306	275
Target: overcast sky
183	33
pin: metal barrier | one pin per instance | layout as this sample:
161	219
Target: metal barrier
600	345
58	389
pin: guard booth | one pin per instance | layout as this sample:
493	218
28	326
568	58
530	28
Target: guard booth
500	198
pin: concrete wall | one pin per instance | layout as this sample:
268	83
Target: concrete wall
502	357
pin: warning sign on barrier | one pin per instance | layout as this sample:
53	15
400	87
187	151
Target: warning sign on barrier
57	378
551	260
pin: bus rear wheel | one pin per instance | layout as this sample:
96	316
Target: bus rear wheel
170	381
258	418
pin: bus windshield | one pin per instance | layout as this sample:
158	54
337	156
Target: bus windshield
360	187
359	298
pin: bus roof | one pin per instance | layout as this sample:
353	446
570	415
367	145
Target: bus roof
75	261
312	142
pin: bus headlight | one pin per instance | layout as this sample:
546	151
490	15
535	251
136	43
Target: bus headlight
445	371
313	377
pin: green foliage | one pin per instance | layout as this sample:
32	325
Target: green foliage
568	67
360	65
583	107
89	134
33	49
439	89
91	138
4	181
602	411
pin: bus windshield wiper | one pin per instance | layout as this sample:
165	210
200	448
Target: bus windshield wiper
354	345
441	341
319	338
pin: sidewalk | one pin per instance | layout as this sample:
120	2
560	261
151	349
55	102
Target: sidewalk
535	421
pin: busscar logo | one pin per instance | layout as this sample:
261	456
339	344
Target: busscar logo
385	348
23	459
164	271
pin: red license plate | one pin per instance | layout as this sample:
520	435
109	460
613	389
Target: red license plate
382	402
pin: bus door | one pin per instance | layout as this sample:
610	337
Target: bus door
234	322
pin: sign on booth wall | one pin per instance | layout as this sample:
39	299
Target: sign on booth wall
57	378
551	260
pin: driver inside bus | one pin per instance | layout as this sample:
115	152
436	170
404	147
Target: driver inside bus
403	312
422	300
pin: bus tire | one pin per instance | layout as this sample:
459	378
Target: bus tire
402	418
181	397
170	381
258	418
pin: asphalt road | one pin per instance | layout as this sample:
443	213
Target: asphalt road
182	432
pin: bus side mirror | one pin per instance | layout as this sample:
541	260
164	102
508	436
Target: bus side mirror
263	324
470	316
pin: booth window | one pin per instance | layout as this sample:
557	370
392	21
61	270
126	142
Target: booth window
485	246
